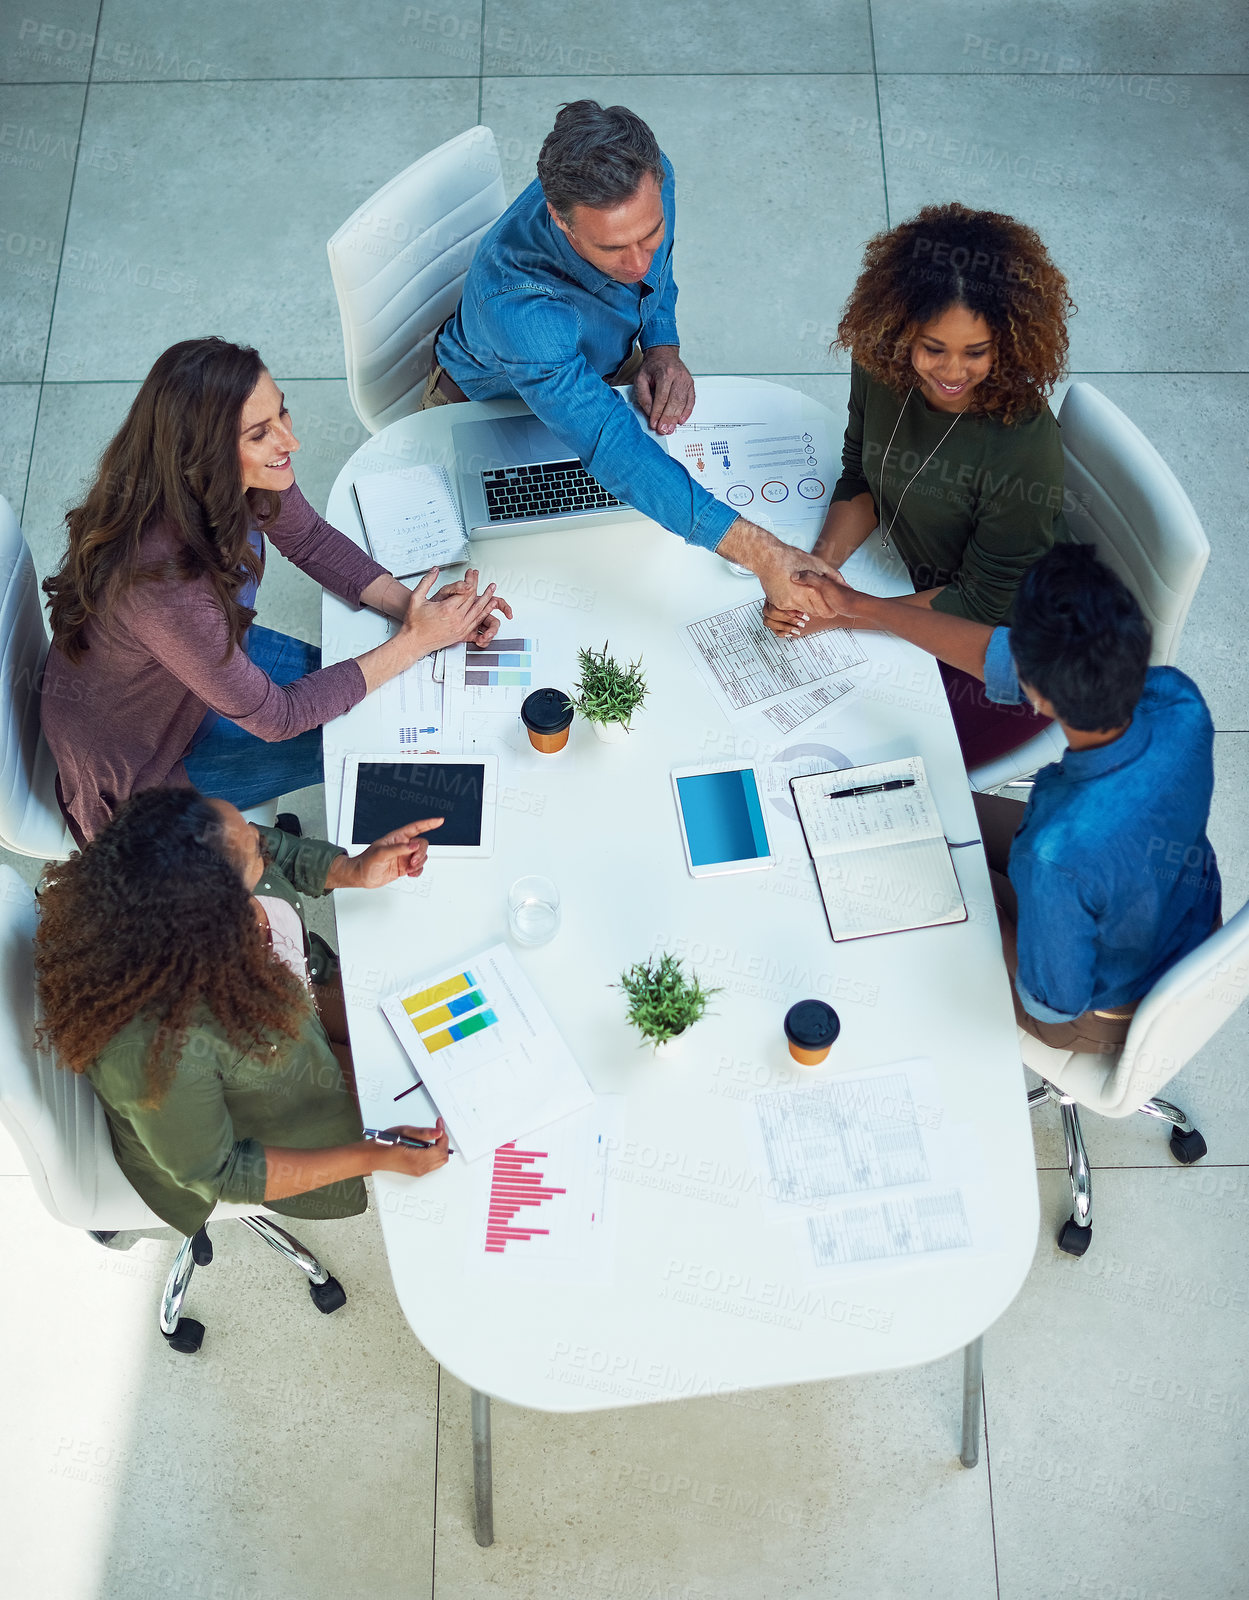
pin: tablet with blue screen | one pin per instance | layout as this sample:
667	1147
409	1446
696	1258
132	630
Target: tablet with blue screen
721	817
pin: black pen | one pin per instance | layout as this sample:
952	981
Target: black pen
381	1136
872	788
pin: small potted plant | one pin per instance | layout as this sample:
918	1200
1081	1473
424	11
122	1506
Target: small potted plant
663	1002
607	694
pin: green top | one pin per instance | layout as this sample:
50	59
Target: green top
988	504
205	1141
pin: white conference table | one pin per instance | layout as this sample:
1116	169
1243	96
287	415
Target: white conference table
709	1294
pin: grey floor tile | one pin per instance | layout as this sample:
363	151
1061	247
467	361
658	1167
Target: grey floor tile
753	231
828	1489
277	1463
1144	205
39	143
1115	1400
542	37
47	43
234	245
18	404
1144	43
146	40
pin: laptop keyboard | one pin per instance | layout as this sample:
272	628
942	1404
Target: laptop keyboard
515	494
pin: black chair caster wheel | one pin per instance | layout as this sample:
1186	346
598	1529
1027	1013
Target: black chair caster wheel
328	1296
288	822
186	1337
1187	1147
1074	1240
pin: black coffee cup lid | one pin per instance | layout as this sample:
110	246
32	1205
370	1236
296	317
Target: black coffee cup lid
811	1024
546	711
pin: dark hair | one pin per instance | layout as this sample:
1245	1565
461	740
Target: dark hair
596	156
153	918
1080	639
175	459
952	256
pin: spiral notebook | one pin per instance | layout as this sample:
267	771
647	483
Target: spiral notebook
411	519
879	851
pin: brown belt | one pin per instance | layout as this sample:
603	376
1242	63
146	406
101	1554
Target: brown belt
449	387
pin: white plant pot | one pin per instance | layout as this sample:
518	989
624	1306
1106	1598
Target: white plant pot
671	1047
612	732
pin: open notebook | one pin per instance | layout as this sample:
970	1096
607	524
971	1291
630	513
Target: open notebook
411	519
880	855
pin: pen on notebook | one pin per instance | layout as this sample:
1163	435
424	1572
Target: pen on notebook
872	788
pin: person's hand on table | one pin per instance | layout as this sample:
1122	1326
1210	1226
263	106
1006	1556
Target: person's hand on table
664	388
489	625
431	624
401	854
413	1163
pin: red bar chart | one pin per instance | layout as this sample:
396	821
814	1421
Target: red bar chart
518	1189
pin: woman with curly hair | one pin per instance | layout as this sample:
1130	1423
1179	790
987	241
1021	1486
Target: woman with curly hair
156	673
171	969
957	332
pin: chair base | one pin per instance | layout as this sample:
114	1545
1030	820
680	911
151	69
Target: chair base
185	1334
1076	1234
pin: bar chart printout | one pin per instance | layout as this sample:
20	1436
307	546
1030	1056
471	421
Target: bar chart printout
487	1052
515	1185
544	1211
507	664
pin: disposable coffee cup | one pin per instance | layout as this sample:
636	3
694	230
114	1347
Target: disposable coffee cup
547	716
811	1027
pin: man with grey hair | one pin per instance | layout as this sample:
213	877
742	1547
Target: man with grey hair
571	293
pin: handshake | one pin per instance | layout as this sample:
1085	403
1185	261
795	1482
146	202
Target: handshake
834	604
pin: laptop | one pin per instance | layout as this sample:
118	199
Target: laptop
515	475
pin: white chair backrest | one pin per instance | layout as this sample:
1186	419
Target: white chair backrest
398	266
1123	499
52	1113
1183	1010
30	819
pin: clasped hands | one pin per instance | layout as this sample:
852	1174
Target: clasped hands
455	615
811	597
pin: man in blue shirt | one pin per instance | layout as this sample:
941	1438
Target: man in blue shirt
1111	876
571	292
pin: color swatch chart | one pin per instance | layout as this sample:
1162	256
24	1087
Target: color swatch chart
487	1052
516	1188
507	664
449	1011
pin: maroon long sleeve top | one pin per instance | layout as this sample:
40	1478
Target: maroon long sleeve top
124	717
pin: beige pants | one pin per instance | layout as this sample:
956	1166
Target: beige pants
1093	1033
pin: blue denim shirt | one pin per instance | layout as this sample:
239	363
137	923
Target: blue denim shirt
537	322
1115	875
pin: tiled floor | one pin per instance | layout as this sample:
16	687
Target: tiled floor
168	170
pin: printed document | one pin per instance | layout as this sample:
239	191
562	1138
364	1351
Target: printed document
487	1052
746	665
541	1208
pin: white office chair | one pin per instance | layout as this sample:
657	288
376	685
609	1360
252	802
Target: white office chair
1128	504
30	819
60	1128
398	265
1184	1009
31	823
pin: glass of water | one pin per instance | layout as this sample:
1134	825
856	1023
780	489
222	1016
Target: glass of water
533	910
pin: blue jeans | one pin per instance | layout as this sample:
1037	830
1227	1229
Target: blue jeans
231	764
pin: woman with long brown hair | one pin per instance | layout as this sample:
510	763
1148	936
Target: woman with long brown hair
171	969
156	673
957	332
